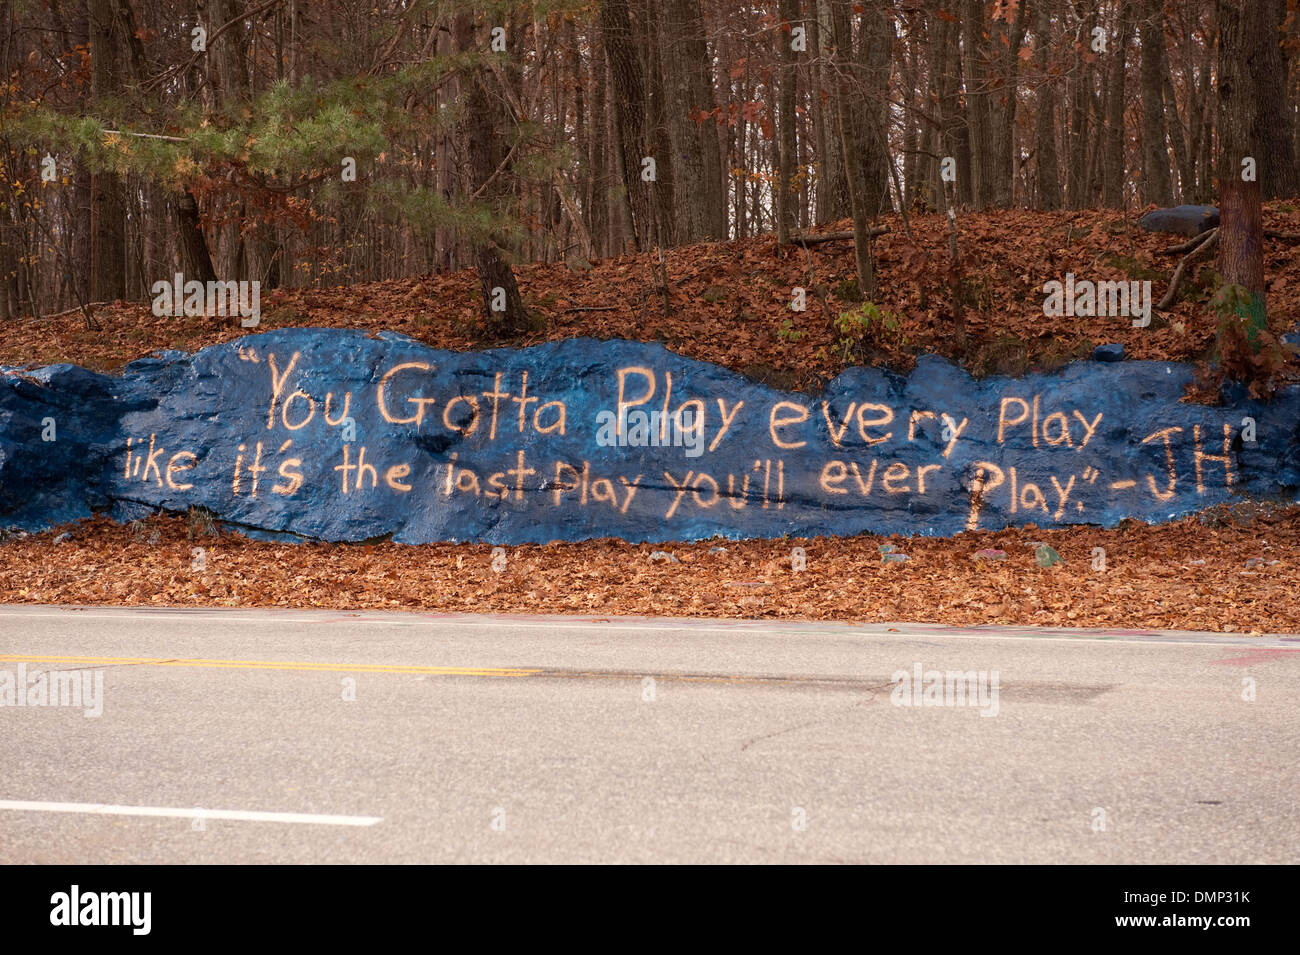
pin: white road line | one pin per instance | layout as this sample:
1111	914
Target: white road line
235	815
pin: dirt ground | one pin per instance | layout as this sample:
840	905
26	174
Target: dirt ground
1231	570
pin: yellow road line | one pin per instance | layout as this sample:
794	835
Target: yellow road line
402	669
268	665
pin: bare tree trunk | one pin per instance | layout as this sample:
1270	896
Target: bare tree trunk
854	149
1156	185
1006	43
663	188
629	112
784	181
1076	182
1112	176
693	130
952	139
1049	174
107	211
1273	142
503	307
975	69
875	49
596	200
194	248
832	190
1241	232
911	121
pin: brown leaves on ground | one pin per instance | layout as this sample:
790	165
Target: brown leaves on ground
729	299
1193	574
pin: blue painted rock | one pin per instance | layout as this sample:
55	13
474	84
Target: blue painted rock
342	435
1183	220
1113	352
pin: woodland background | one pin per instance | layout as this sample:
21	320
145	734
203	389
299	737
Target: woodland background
476	166
496	135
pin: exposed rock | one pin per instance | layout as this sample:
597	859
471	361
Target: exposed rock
1183	220
347	436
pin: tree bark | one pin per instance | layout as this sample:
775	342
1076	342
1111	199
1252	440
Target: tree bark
832	189
1241	236
974	53
1006	42
1273	142
1077	182
664	186
785	198
503	307
1113	170
1156	184
629	112
853	149
1049	174
107	209
694	131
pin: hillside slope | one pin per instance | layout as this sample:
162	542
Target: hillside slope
730	302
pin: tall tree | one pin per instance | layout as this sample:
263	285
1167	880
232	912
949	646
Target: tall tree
1273	126
663	187
1081	115
832	188
974	60
694	131
1246	349
786	123
487	150
1157	186
107	206
1112	174
1049	174
1007	38
857	104
629	112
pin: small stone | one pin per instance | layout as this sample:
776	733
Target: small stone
1110	352
663	555
989	553
65	536
1255	562
717	550
1047	556
893	557
886	548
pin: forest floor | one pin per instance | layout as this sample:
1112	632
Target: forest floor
729	302
1227	569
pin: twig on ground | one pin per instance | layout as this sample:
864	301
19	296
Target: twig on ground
1171	296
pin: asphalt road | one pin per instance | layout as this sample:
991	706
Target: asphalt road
229	736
